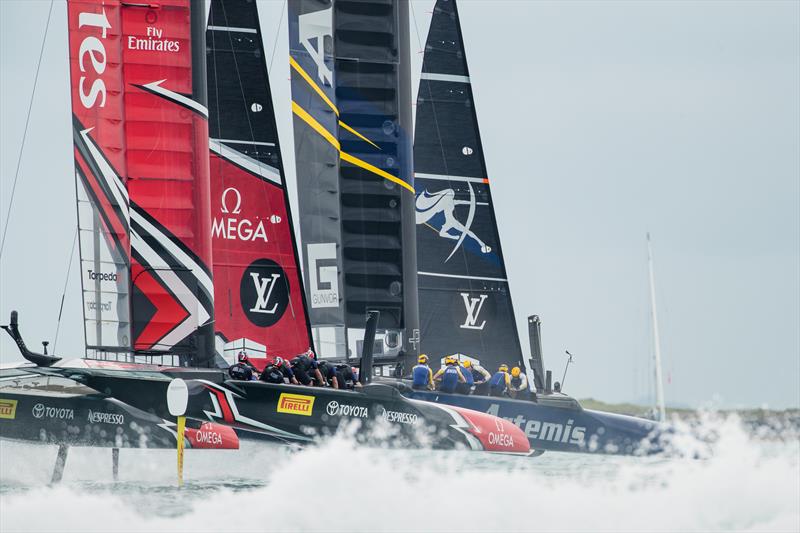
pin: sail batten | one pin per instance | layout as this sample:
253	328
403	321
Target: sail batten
464	298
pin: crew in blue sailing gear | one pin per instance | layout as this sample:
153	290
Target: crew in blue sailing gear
469	381
480	377
518	385
498	385
450	376
271	374
422	375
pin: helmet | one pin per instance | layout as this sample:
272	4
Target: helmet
467	363
422	359
515	371
242	356
503	368
449	360
278	361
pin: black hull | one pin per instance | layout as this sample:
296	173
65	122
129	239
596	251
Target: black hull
45	415
297	414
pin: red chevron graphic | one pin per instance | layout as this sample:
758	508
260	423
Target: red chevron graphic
169	311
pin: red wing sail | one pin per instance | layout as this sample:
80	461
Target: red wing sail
141	144
259	299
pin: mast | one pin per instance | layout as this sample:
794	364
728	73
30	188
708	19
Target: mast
656	340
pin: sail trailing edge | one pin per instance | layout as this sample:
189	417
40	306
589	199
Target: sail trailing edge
464	298
259	300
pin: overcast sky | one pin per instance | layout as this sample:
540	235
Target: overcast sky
600	121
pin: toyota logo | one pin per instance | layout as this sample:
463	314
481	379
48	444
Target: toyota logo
38	410
499	425
333	407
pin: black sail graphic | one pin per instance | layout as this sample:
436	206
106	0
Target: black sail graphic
464	299
259	299
315	120
376	185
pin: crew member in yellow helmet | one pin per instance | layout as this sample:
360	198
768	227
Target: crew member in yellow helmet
518	386
422	375
450	375
498	385
480	377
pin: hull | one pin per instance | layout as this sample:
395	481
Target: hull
55	410
558	423
379	414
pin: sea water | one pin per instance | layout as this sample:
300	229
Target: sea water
748	481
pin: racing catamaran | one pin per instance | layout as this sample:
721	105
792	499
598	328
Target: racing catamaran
148	235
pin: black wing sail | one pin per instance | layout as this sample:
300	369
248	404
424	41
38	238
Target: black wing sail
464	299
373	92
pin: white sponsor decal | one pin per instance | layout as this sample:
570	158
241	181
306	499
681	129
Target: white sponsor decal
98	417
209	437
501	438
264	288
549	431
153	42
316	26
40	410
473	306
335	408
235	228
93	50
323	279
400	417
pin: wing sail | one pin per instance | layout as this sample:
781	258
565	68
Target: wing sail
464	298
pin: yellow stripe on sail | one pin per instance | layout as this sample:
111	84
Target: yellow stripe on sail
295	65
328	136
316	126
354	132
375	170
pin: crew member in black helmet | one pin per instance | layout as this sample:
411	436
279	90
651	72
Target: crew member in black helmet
329	373
243	370
272	373
349	379
305	366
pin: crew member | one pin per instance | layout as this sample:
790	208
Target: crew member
286	369
480	377
272	374
348	379
304	366
422	375
246	360
469	381
450	376
329	374
241	371
518	386
498	385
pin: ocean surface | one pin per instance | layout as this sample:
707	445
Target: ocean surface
748	481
